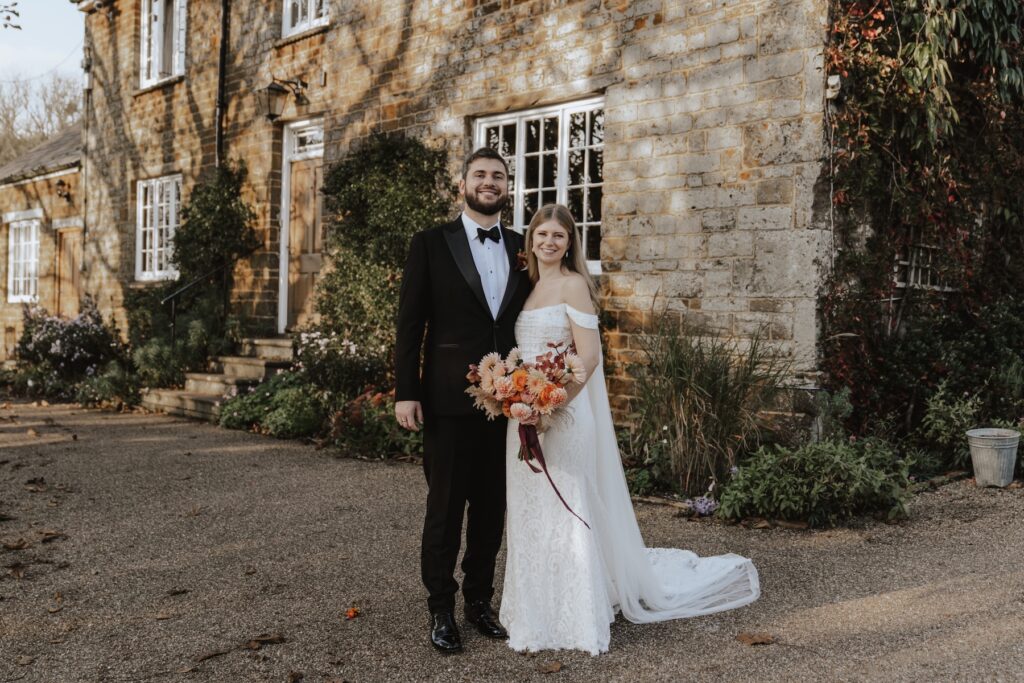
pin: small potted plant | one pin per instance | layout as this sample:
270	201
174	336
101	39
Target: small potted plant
993	454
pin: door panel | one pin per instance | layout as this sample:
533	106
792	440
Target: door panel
305	239
69	272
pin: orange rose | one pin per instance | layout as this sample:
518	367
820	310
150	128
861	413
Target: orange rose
519	378
505	406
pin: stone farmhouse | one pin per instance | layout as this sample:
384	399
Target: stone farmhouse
687	136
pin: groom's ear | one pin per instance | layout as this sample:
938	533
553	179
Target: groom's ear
462	188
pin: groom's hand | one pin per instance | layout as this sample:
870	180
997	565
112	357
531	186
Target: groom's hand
409	414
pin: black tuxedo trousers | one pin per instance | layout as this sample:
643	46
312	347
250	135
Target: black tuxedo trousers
443	315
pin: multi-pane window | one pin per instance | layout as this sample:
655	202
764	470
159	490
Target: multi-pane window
555	154
156	221
307	140
301	15
163	39
23	261
917	267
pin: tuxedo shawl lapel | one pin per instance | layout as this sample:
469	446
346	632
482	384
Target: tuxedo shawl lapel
455	235
513	270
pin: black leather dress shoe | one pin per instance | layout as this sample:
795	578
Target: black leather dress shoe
480	614
444	634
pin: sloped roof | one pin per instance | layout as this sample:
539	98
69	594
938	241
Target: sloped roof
63	150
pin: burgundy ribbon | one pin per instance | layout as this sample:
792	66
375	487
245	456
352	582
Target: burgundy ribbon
529	449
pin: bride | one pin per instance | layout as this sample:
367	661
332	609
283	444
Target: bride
564	582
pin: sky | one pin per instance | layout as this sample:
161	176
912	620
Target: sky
50	39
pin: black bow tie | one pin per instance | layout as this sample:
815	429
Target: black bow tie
494	233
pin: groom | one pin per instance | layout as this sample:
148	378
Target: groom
462	287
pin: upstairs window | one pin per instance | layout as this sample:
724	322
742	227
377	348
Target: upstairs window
302	15
163	40
156	220
23	261
554	154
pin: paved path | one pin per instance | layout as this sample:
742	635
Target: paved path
180	540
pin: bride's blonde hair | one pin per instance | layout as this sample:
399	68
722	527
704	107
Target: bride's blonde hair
575	260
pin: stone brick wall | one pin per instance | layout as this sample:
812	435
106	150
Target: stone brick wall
713	119
29	195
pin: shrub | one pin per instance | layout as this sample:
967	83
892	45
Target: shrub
366	427
286	406
115	386
822	483
696	408
339	366
378	197
946	420
55	353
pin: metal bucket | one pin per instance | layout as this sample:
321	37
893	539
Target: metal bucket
994	455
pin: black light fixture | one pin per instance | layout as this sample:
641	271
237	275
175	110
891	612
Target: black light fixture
274	96
63	190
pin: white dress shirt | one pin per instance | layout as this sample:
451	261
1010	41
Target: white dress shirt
491	261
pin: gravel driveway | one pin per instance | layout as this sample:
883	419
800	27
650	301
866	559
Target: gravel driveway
147	548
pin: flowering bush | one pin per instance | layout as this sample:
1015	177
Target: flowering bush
56	353
337	365
366	427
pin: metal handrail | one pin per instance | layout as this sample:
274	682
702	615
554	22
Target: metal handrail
173	298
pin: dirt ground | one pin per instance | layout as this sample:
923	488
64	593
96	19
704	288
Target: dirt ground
147	548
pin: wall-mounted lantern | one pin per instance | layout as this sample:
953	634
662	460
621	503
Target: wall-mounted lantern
274	97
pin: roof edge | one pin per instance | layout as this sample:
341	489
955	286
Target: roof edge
39	173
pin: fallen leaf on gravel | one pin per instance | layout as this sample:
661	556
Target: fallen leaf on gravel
755	638
177	591
552	667
162	616
58	604
761	524
352	613
264	639
20	544
1016	485
35	404
6	405
17	570
209	655
250	571
295	676
35	485
7	518
24	660
790	525
48	535
31	432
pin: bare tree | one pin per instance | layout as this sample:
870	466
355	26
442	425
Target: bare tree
8	13
30	114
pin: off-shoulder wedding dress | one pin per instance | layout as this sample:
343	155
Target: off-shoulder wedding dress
564	582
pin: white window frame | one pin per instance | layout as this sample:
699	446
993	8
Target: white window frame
148	217
310	21
157	60
914	269
23	260
519	118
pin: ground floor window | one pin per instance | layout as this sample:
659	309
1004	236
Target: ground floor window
23	261
156	220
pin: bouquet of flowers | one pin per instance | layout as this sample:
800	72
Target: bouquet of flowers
528	393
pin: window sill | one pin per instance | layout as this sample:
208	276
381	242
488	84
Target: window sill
152	281
22	299
302	35
159	85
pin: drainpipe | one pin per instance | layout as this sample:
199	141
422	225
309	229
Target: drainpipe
225	9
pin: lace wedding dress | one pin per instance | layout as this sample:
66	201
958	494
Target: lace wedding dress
564	582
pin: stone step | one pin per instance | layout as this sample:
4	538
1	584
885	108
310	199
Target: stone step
247	367
216	384
272	348
182	403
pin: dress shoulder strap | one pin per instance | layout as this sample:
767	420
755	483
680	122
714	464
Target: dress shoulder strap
582	319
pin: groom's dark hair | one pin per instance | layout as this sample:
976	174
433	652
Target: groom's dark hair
483	153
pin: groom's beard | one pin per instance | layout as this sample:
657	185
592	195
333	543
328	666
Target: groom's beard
486	208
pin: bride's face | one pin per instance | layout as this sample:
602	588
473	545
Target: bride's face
550	242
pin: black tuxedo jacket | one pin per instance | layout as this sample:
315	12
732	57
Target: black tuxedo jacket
442	295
